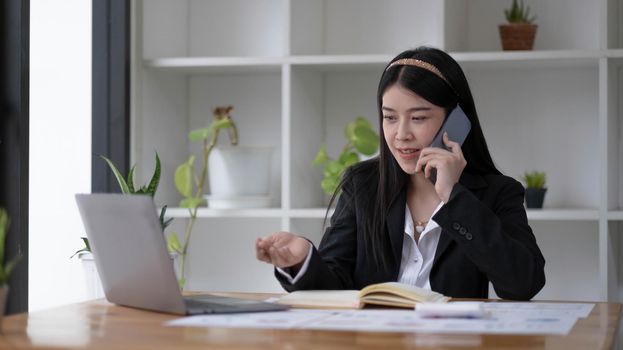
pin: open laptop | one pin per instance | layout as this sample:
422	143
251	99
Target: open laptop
131	256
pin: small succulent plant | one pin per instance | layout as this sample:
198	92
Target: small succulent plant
534	179
518	13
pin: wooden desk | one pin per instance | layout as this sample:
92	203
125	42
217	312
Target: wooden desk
101	325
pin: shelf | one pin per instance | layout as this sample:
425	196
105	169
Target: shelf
615	215
226	213
485	59
528	59
614	53
562	214
338	62
491	59
216	64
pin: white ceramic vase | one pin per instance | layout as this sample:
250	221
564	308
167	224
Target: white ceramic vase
239	177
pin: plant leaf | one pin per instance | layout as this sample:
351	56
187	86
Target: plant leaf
79	251
199	134
362	121
321	157
5	223
131	179
221	124
348	158
86	243
122	184
183	177
87	247
191	202
334	168
329	184
155	179
8	268
365	140
164	223
173	244
349	131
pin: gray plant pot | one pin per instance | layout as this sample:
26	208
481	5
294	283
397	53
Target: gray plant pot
535	197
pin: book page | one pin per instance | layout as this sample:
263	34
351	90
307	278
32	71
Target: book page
341	299
393	291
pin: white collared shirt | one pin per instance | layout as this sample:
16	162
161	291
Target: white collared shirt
417	258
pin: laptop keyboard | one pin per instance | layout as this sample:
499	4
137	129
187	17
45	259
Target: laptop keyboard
198	304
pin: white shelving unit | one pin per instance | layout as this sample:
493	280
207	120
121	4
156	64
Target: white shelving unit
297	71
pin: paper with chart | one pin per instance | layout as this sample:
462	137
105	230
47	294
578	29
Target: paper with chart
503	318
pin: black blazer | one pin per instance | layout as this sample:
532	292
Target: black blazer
485	237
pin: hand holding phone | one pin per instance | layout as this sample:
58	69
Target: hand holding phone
457	125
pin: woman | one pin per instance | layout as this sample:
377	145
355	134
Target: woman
392	223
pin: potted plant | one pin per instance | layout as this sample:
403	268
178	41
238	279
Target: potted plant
5	268
520	31
361	140
535	188
191	186
230	166
94	284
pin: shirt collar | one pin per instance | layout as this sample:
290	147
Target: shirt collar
431	225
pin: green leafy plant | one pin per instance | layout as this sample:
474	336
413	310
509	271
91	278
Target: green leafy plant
361	140
534	179
518	13
5	269
127	187
191	186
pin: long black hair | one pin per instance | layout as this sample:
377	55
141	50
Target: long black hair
391	178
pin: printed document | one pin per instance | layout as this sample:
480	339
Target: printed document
502	318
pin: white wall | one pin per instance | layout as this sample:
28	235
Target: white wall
60	147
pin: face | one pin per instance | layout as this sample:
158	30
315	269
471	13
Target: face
409	124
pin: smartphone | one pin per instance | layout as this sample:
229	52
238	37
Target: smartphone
457	125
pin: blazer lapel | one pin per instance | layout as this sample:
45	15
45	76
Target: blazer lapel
472	182
396	226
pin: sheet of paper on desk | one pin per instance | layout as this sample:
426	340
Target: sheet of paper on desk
577	310
293	319
408	321
504	318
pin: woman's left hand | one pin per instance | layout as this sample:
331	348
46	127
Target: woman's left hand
449	166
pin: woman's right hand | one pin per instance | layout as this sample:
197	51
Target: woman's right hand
282	249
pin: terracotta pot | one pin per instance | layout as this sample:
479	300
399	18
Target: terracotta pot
517	36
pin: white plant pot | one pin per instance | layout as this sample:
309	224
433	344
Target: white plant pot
239	177
92	277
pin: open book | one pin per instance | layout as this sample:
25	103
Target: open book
388	293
